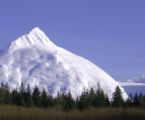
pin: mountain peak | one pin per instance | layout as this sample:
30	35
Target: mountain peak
34	60
36	29
36	37
37	32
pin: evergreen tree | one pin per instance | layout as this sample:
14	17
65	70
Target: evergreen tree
59	99
44	99
14	96
143	104
107	101
141	101
21	95
82	102
69	103
129	101
117	98
4	94
7	97
91	97
20	100
28	97
100	99
136	100
51	101
36	97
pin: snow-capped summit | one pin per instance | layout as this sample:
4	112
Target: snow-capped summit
33	59
35	38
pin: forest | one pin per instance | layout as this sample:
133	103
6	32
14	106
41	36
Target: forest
26	97
28	104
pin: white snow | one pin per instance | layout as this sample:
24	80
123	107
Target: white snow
33	59
36	37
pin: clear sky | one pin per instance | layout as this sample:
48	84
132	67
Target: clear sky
110	33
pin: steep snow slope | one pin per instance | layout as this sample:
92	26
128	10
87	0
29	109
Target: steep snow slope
33	59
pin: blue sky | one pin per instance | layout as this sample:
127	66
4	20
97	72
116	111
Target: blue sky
110	33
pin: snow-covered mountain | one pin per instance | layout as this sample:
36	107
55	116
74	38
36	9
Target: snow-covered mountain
35	60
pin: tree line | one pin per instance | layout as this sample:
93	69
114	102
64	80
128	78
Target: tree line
26	97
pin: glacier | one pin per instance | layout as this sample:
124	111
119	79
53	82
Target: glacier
35	60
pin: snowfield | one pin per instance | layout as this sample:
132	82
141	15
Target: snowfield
35	60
